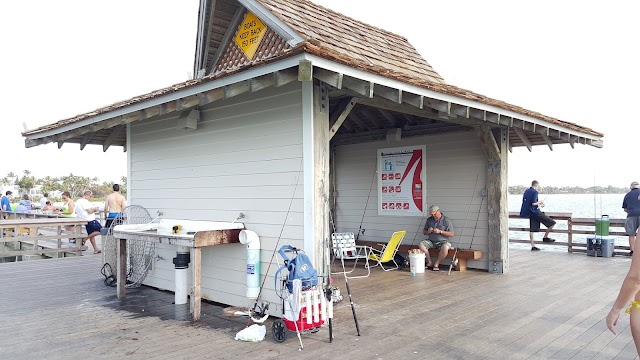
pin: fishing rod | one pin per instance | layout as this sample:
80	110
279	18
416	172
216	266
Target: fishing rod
346	282
455	253
415	236
275	249
373	179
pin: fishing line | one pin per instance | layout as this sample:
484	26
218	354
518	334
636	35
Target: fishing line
275	249
483	195
466	217
373	179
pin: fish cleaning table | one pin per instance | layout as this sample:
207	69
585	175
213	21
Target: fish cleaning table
192	234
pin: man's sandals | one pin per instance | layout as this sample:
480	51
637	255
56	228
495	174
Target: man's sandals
433	268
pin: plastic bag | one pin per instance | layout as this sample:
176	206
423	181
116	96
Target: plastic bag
252	333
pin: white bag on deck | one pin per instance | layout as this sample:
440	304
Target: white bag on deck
252	333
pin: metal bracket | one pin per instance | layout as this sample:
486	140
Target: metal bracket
494	165
495	267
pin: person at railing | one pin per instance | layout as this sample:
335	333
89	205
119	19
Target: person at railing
631	205
531	209
69	207
48	208
23	207
68	210
5	203
439	229
86	210
113	206
44	200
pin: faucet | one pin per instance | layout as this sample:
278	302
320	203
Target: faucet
240	216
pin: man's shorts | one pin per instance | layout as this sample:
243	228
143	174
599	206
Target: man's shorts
631	225
536	219
93	226
428	244
112	216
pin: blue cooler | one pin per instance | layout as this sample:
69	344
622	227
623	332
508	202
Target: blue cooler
600	246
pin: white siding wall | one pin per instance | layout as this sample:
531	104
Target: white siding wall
453	163
245	156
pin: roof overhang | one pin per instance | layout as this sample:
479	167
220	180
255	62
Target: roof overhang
105	126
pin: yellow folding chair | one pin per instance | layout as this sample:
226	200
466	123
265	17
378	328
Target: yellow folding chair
388	251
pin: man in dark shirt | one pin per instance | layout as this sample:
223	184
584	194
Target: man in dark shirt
530	209
439	229
631	205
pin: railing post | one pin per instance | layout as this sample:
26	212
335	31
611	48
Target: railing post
60	254
570	234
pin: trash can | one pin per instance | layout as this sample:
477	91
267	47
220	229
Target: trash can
416	262
602	226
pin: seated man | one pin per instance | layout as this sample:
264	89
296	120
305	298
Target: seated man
439	229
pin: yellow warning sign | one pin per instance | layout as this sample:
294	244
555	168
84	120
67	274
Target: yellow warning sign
250	34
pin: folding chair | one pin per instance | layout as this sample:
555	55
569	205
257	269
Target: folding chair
388	251
345	248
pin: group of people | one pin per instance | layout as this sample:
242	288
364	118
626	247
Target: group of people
82	208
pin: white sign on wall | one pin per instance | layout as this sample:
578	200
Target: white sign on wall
401	181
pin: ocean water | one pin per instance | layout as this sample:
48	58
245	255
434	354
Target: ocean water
580	205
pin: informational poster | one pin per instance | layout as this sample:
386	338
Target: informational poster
401	181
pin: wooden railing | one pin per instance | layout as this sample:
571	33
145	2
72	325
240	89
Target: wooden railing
22	229
616	229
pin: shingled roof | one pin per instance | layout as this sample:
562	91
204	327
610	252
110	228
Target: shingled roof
343	35
332	36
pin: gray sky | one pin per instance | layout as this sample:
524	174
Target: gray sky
572	60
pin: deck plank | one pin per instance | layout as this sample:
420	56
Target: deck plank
550	305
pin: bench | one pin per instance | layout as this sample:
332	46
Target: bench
463	254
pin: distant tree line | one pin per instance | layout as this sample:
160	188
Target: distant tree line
74	184
519	189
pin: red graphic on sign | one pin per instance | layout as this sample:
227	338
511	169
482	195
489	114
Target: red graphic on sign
391	189
384	176
398	189
384	189
398	176
416	159
392	206
384	205
405	206
398	206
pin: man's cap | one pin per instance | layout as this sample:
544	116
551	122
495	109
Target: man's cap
433	208
23	202
635	185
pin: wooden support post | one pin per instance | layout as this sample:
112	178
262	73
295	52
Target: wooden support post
321	139
498	241
196	297
121	276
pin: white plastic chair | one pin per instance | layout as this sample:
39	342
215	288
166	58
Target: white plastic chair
345	248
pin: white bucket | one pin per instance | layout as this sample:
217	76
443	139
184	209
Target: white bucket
416	262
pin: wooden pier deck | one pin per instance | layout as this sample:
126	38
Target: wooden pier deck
550	305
